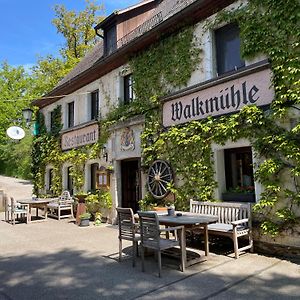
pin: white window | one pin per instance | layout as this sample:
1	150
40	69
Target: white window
234	172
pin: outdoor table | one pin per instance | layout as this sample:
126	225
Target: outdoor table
188	220
38	203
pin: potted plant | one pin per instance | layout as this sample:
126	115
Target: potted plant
81	196
98	218
84	219
99	201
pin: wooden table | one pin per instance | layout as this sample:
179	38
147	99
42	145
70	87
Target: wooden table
189	220
37	204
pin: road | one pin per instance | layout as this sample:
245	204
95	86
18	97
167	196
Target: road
14	187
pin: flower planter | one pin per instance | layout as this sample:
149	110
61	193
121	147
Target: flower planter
238	197
84	222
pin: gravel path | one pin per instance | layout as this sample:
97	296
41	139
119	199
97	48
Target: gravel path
17	188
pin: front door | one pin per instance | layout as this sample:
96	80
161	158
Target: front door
130	183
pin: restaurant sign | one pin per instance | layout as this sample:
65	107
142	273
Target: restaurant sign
220	99
80	137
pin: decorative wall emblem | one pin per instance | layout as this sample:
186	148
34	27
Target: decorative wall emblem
127	140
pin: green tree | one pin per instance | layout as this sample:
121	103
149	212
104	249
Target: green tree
18	88
77	29
14	84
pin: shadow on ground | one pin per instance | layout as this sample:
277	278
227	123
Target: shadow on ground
69	274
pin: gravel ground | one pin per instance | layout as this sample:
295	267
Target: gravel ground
17	188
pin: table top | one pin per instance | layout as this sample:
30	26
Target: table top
36	201
187	219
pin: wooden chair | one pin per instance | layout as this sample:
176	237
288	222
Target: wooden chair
150	237
128	230
18	211
63	204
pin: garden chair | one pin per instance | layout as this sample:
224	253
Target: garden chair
150	237
63	204
18	211
128	230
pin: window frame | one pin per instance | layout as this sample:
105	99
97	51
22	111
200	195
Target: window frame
94	168
128	94
94	105
221	57
71	114
230	160
70	182
51	121
110	39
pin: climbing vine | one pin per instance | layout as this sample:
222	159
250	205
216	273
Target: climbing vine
268	28
46	150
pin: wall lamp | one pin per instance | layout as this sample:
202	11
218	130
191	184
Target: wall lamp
27	115
105	153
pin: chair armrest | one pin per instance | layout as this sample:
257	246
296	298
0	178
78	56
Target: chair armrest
235	223
171	228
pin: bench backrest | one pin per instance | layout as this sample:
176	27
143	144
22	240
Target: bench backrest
65	195
226	212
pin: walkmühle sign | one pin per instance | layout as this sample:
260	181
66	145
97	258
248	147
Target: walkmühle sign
227	97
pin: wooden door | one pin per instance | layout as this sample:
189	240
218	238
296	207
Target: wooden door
130	184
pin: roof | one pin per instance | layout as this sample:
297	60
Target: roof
120	12
88	61
94	64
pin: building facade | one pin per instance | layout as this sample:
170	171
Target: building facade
212	95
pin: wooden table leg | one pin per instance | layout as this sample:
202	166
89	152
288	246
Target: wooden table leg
206	245
46	211
183	249
29	213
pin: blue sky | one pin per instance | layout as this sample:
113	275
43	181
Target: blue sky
27	31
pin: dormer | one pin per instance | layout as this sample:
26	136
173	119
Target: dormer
116	30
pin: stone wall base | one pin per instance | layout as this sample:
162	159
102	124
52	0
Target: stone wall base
277	250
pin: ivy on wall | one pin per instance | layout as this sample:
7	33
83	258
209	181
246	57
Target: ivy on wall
269	28
46	151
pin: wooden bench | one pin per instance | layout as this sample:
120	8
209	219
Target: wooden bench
63	204
234	220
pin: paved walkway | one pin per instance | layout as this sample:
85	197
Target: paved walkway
59	260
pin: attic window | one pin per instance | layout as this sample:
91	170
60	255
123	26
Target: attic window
110	39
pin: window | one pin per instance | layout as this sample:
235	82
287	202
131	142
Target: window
94	105
94	169
128	89
228	54
52	121
69	180
50	180
239	170
71	114
110	40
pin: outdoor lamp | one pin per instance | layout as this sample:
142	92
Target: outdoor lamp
104	151
27	113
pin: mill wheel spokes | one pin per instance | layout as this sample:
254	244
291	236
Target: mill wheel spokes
159	176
